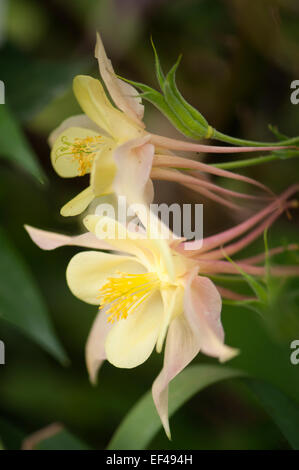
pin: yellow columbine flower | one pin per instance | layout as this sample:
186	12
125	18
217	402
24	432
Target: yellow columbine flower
91	143
151	289
111	145
145	292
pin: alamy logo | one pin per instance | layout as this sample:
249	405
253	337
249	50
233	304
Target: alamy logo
294	358
295	94
2	353
186	221
2	92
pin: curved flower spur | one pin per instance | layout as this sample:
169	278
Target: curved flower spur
152	289
112	145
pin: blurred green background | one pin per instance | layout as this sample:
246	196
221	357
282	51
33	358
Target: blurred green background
239	59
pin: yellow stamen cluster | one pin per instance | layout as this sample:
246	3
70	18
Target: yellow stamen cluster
82	150
126	293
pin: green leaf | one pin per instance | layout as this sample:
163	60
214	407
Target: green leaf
256	286
188	120
277	133
159	72
189	116
158	100
63	440
20	301
283	410
133	434
14	146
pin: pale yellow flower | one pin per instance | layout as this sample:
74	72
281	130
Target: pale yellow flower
110	144
93	142
149	290
146	290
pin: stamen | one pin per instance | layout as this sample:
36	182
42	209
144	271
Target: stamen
83	150
126	293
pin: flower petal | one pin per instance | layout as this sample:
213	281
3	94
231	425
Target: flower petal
66	162
80	120
94	102
150	252
181	347
124	95
88	271
103	172
95	346
134	161
92	98
173	306
202	310
132	340
79	203
51	240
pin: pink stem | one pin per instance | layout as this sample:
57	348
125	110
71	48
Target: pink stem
225	267
227	235
240	244
173	144
229	294
205	192
172	175
179	162
274	251
214	197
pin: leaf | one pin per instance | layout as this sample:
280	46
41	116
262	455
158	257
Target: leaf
133	434
283	410
189	116
63	440
277	133
20	301
14	146
256	286
159	72
53	437
158	100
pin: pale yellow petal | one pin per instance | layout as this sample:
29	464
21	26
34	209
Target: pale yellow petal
88	271
80	120
95	346
131	341
94	102
68	156
181	347
103	172
152	253
134	161
173	301
124	95
78	204
51	240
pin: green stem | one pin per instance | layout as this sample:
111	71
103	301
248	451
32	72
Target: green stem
253	161
234	140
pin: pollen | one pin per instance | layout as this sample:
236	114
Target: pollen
81	150
125	293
